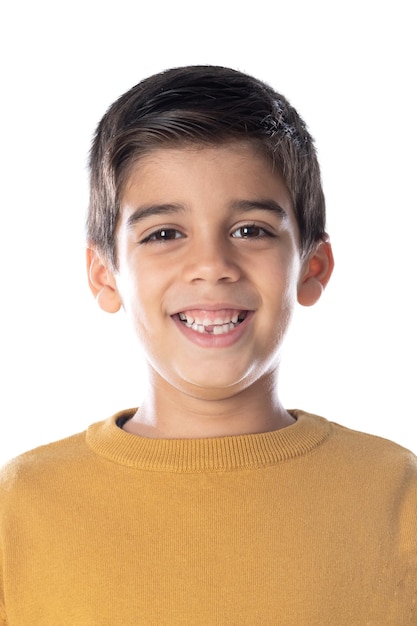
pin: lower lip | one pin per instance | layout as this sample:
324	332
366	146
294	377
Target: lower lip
209	340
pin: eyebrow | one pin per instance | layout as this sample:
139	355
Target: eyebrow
266	204
142	213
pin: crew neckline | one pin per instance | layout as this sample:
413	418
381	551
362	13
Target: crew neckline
229	453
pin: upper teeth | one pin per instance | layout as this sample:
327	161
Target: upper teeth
217	323
204	321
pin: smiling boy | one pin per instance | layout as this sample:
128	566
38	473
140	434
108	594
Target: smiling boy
210	503
208	271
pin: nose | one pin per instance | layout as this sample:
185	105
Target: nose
213	260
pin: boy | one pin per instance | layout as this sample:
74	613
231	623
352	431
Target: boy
211	504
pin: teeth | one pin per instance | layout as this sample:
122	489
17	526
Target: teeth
198	327
224	328
216	326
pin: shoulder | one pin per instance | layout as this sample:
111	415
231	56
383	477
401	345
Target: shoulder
359	441
362	455
364	445
37	466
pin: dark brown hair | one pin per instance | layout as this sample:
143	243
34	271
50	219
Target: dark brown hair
202	105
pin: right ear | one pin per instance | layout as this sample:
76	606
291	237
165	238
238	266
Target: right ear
102	282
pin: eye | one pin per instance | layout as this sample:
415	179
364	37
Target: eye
163	234
251	231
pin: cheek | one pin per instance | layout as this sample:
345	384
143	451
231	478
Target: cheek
280	290
145	310
281	277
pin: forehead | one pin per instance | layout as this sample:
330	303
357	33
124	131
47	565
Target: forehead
231	169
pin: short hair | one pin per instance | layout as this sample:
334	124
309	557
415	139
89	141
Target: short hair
201	105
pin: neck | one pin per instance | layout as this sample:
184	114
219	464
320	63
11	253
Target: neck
169	413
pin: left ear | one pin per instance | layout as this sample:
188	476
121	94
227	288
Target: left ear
315	273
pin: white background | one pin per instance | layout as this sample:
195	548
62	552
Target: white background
349	68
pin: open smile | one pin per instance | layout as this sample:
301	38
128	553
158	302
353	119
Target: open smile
212	322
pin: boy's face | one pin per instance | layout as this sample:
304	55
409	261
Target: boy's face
208	266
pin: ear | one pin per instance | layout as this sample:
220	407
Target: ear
315	273
102	282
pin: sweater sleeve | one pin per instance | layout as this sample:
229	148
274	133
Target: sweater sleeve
3	620
3	497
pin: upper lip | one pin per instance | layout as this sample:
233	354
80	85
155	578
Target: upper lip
210	306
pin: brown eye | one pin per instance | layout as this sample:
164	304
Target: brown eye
249	231
163	234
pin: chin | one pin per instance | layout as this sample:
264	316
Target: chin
219	387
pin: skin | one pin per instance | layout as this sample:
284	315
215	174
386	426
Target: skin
208	229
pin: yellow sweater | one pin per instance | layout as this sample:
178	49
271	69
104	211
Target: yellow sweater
311	525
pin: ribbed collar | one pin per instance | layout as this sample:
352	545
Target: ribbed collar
204	455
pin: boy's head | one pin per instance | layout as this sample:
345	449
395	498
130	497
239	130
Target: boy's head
201	105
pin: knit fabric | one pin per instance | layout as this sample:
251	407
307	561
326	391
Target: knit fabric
314	524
